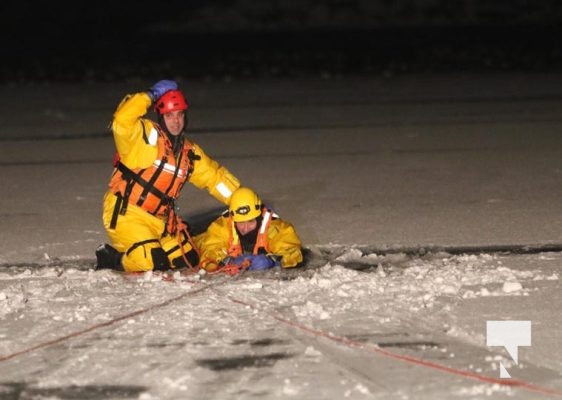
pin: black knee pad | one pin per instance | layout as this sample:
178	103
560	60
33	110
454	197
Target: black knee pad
160	259
192	258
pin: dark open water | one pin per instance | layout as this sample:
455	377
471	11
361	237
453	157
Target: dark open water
107	55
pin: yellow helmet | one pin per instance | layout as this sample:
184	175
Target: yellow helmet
245	205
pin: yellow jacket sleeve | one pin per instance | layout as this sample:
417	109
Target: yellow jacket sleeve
283	241
210	175
135	137
213	243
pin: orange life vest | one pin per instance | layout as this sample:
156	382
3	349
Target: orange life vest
155	188
261	246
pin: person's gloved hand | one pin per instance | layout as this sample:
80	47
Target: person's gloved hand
161	87
261	262
239	261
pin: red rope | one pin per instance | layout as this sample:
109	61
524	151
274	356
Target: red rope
103	324
180	226
413	360
232	269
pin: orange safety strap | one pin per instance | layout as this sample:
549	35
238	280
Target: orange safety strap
179	227
232	269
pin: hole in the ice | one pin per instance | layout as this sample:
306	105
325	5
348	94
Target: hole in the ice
421	345
245	361
258	342
23	390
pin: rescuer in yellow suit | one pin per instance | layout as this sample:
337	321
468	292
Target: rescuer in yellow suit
249	235
153	162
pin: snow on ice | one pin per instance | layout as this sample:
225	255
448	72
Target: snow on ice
153	339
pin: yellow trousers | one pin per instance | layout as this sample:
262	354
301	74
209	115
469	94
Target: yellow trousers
139	236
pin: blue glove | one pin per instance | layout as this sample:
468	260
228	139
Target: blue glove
261	262
161	87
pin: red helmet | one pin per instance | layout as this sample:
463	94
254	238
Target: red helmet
172	100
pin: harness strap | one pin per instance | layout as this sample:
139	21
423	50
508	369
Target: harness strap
234	247
180	244
121	203
149	186
125	198
192	157
141	243
116	211
171	185
262	246
187	238
132	178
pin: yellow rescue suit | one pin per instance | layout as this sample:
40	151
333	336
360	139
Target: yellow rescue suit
138	208
276	237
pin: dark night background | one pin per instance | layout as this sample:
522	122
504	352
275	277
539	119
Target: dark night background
105	41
